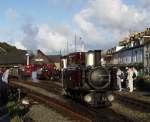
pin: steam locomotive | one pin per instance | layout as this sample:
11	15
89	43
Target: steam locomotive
85	79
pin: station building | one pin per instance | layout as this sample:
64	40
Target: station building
38	57
131	51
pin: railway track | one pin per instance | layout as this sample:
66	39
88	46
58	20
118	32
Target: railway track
67	105
44	96
53	87
56	88
132	101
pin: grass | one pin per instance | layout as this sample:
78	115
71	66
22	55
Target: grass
16	110
13	111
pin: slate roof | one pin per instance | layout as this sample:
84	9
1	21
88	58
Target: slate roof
40	54
54	58
14	57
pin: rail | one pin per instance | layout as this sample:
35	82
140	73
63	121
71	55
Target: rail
67	105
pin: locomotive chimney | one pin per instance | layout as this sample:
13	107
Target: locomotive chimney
97	60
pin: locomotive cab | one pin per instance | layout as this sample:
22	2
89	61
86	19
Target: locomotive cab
85	79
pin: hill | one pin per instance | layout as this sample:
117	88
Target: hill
6	48
10	55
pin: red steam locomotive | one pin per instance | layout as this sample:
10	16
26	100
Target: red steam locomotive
85	79
44	71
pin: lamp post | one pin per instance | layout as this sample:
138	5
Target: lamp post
27	54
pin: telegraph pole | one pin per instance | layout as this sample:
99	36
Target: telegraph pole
75	43
67	47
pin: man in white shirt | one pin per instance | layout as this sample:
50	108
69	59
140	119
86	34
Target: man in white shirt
119	78
5	76
130	79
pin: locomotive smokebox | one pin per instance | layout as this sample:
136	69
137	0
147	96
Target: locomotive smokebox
98	78
93	58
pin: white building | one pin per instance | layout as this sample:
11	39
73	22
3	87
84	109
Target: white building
147	55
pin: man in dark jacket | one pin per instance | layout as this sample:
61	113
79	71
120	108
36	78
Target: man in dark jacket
1	74
4	116
3	90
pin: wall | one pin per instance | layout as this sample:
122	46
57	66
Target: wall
129	56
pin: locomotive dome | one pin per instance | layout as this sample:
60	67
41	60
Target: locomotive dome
99	78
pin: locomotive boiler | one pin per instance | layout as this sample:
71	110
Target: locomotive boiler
85	79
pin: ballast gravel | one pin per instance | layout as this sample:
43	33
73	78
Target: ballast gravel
41	113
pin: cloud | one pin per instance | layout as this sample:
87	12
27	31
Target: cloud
104	22
19	45
145	4
11	14
100	23
30	40
50	40
44	37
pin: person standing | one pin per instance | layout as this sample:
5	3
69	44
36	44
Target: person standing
34	74
125	78
119	78
1	74
130	79
4	84
5	76
4	96
135	75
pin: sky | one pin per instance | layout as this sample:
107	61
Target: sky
50	24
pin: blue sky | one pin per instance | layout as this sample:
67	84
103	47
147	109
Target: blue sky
40	10
33	24
51	12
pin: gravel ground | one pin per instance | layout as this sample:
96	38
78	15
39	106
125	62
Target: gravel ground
133	114
41	113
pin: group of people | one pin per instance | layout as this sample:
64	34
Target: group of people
128	77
